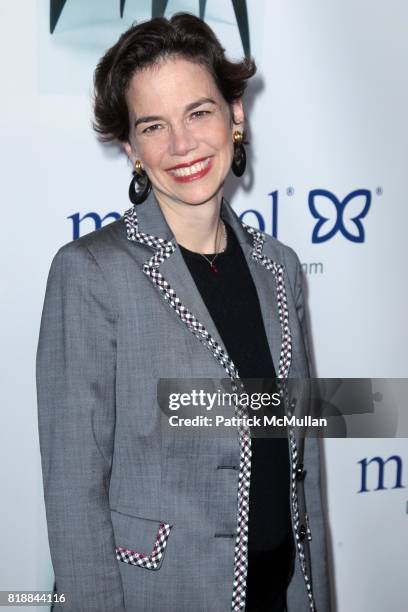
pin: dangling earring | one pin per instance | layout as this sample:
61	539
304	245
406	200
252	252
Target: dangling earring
239	159
140	184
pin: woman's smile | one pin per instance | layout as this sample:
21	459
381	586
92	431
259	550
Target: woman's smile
181	131
191	171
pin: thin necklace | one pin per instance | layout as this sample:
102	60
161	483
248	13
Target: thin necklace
213	268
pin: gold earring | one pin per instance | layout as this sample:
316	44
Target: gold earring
239	157
140	184
138	167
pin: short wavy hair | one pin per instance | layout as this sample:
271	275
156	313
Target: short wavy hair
145	44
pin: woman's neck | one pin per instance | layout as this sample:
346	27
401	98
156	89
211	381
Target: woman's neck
197	227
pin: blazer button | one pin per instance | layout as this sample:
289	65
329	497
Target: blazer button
302	533
300	472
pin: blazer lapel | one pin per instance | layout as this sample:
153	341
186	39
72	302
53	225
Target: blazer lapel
264	283
166	267
168	271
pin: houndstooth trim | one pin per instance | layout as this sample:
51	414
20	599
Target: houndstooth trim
151	561
164	249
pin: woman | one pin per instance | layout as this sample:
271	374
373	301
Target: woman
178	288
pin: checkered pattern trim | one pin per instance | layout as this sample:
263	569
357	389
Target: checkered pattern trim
164	249
151	561
278	272
241	540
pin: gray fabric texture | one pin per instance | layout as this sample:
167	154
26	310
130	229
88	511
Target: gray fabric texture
110	473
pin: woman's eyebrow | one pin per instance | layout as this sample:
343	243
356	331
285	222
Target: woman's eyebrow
147	119
188	108
199	102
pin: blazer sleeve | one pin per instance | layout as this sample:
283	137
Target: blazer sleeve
75	374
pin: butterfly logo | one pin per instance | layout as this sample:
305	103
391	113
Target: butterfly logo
335	216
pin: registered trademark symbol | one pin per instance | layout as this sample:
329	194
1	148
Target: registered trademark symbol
290	191
379	191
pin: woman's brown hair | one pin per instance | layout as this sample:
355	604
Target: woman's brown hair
144	45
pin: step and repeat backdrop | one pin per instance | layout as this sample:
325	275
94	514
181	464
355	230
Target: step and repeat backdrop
328	130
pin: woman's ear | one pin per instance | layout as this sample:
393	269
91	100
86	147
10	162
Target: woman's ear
127	147
237	111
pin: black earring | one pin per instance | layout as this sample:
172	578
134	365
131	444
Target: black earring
140	185
239	159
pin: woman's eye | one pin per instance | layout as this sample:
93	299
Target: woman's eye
200	113
152	128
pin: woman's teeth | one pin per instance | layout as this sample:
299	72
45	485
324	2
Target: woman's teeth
188	171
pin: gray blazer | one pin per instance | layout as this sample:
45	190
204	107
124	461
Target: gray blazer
140	520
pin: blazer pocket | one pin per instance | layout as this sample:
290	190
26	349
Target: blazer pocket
139	541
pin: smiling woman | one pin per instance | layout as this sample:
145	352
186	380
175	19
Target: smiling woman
186	147
138	519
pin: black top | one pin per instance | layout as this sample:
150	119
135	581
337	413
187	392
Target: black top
232	301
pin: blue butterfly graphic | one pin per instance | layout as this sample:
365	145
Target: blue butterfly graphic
335	216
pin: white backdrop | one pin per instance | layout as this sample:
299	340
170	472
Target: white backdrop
326	111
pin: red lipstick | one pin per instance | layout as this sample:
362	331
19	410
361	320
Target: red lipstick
185	173
188	164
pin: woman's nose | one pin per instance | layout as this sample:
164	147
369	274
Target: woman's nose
182	141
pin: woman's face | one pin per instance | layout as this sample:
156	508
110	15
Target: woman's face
181	130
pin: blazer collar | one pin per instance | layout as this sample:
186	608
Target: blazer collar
153	231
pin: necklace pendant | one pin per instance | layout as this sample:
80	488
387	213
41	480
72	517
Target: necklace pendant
214	269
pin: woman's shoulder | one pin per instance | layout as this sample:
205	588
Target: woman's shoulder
105	237
105	249
107	246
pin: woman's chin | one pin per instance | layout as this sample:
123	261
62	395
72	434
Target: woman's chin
193	194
